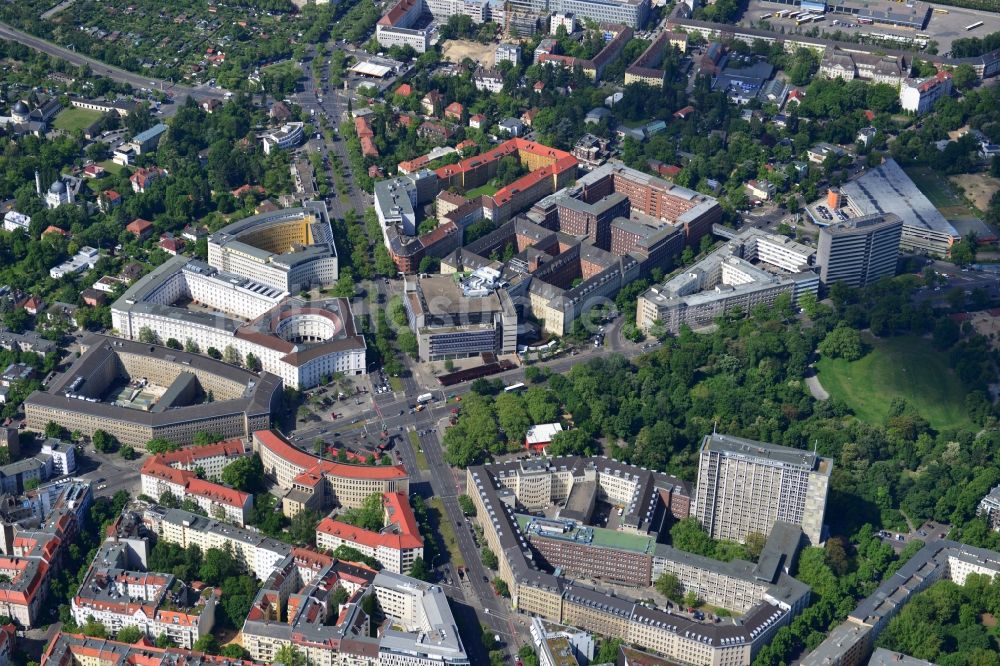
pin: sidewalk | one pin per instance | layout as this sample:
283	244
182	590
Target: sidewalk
817	390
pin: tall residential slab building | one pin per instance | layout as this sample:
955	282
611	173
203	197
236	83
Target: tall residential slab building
745	486
860	251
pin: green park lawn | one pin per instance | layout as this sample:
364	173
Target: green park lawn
418	451
447	533
907	367
111	167
487	189
284	67
72	119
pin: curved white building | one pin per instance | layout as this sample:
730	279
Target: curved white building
193	303
290	249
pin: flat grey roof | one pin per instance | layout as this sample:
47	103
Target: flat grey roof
98	350
883	657
727	444
887	189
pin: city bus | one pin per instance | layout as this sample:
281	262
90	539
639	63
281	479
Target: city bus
765	16
782	13
973	26
514	388
865	21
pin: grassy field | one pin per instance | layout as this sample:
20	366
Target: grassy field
906	367
73	119
111	167
447	532
939	191
284	67
486	189
418	451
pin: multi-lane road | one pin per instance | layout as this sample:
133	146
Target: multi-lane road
332	107
178	92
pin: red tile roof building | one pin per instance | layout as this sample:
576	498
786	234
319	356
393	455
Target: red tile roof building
155	603
395	546
171	244
312	483
74	649
175	473
550	170
140	228
366	137
142	179
52	229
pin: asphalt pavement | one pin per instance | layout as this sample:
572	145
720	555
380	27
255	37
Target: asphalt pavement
178	92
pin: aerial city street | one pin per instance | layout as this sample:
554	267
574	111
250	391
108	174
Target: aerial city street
435	333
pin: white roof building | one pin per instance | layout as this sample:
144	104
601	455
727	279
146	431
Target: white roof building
539	435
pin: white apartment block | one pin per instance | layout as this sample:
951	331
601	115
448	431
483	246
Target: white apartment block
287	136
746	486
156	603
918	96
508	53
63	456
12	221
256	553
300	342
477	10
568	21
488	79
989	506
396	27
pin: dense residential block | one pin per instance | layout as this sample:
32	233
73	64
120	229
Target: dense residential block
33	540
395	546
118	596
312	483
177	473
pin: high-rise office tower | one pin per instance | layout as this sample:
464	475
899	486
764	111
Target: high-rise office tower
745	486
859	251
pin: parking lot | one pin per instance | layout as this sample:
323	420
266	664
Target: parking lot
928	531
946	24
